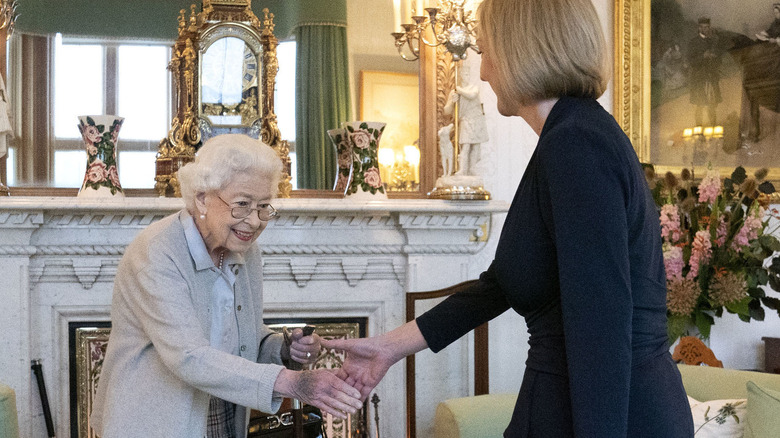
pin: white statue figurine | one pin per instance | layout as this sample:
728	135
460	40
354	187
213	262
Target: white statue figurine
445	148
472	129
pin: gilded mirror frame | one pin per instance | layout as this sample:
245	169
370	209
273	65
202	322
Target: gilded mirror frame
632	70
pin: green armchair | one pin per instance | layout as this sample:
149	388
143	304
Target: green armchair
9	419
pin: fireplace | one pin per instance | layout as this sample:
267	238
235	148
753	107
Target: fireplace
339	259
87	343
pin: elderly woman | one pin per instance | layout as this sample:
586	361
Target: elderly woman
188	350
580	254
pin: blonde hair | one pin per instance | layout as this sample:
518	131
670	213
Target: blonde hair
222	157
544	49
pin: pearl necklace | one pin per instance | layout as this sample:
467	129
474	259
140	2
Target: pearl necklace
221	259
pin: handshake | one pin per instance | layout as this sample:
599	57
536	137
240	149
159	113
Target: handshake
343	390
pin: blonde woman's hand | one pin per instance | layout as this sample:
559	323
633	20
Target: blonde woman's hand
366	363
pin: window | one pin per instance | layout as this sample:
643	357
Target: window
284	100
128	79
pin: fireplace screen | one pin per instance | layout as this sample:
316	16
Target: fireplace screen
88	349
353	425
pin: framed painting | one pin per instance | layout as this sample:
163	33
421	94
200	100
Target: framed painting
393	98
697	83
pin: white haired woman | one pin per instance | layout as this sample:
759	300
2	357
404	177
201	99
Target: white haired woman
580	253
188	351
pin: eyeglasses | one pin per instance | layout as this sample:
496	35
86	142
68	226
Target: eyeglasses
265	212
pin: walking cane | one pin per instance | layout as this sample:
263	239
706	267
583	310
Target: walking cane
297	405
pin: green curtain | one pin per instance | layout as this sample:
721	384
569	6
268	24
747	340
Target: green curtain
135	19
323	100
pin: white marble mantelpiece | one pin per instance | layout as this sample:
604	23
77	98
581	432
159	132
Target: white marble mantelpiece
322	258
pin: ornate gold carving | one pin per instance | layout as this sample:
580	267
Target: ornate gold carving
218	18
91	346
445	79
8	16
631	100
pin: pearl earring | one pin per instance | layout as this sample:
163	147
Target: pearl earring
203	216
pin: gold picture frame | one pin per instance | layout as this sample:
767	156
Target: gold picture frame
391	97
91	346
636	105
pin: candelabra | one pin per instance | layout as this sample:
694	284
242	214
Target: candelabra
8	15
452	25
400	170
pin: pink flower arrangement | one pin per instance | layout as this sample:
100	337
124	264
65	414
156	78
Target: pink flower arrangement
709	189
716	247
670	222
702	250
673	262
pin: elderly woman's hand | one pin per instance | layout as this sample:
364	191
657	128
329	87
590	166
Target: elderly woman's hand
320	388
304	349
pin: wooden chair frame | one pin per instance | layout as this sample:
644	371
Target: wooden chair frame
481	357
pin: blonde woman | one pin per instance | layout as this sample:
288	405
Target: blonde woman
580	253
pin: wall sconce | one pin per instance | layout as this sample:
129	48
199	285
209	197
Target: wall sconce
400	171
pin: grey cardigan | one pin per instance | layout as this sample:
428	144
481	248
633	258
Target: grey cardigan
159	369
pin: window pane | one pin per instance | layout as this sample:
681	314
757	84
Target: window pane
143	98
78	85
10	167
293	170
284	98
136	169
69	168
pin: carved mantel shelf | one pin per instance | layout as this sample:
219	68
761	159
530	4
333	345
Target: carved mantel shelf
322	258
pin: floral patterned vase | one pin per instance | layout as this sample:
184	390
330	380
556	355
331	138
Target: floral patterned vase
100	134
364	138
343	147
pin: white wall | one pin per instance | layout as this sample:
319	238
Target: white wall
504	159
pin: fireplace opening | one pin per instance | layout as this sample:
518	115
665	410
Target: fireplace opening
87	343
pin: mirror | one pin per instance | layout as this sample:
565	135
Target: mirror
370	45
228	87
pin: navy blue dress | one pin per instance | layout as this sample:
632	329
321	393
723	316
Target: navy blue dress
580	259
